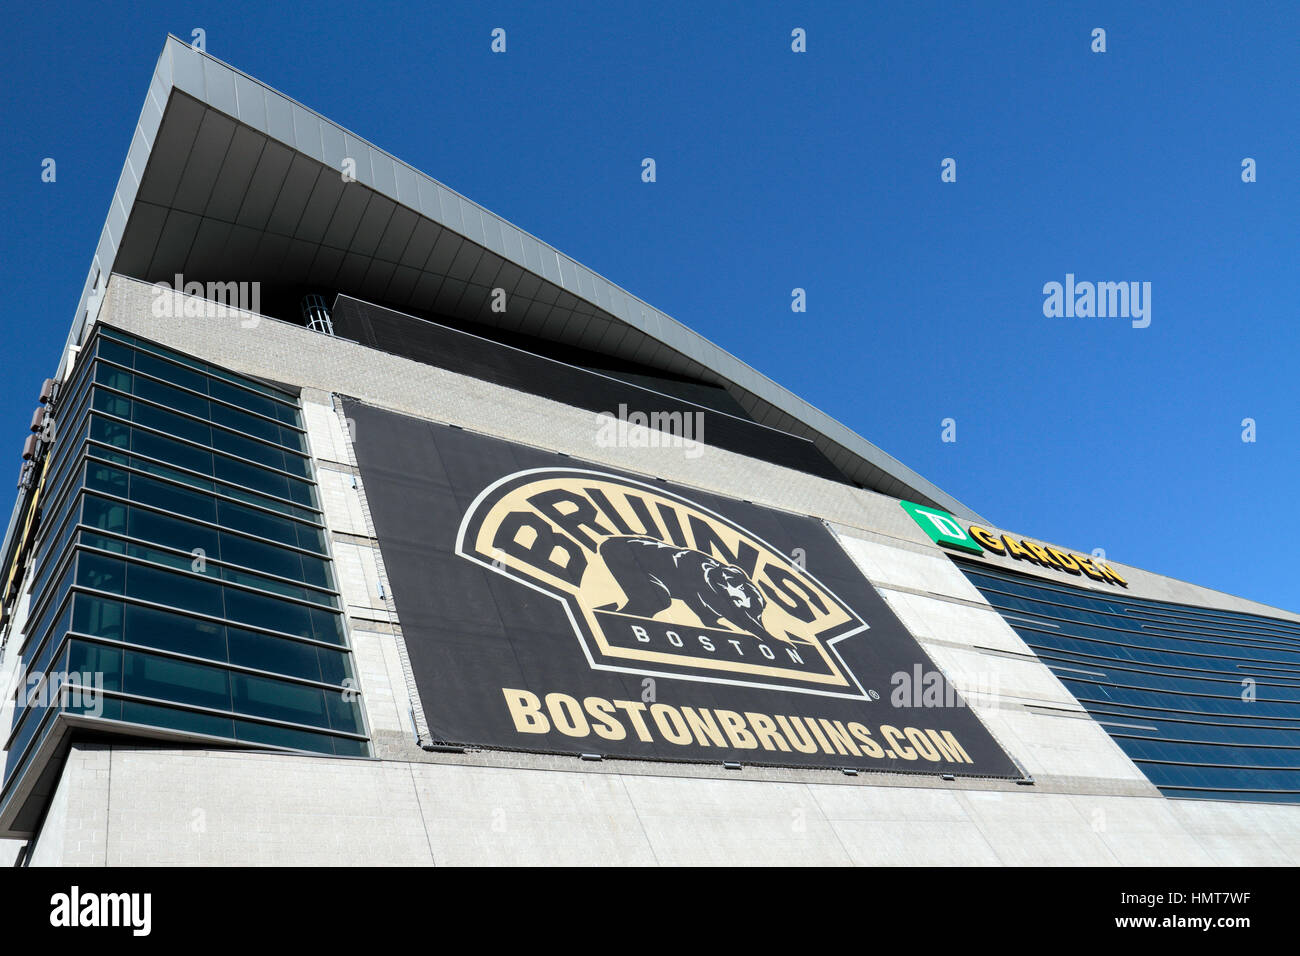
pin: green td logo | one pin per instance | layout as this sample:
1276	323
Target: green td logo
942	527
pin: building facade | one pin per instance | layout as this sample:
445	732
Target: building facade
437	548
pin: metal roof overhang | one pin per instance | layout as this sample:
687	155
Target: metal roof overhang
230	180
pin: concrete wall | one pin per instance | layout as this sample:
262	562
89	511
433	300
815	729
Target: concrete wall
1088	803
183	807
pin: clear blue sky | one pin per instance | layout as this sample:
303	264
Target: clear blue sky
819	170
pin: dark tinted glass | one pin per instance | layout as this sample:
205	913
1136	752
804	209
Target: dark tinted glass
1205	702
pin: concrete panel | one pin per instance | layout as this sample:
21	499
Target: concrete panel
932	619
990	675
357	578
1242	834
340	501
1047	745
136	805
1141	832
904	827
325	432
497	817
1039	829
692	822
208	808
893	566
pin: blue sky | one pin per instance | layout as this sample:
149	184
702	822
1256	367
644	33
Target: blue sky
820	171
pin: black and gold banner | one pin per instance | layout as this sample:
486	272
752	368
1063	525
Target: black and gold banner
553	605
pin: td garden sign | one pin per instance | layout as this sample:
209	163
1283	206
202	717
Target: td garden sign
552	605
946	531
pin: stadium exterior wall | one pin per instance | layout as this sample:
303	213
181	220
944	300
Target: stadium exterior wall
120	804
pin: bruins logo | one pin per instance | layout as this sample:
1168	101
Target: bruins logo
653	574
657	584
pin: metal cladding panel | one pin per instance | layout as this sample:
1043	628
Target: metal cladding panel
491	361
279	198
553	605
236	173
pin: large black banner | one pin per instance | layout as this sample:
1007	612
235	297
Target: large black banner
553	605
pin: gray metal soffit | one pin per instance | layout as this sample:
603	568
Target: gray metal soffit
228	179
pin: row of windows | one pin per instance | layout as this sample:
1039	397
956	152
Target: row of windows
1210	754
294	494
195	405
280	413
155	676
1227	708
104	452
1221	684
183	559
1010	597
121	670
1207	703
192	464
185	502
141	353
198	431
227	549
1124	611
1168	649
1215	782
201	595
1250	796
170	630
209	568
191	592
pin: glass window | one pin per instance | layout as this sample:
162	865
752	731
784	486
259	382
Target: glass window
97	617
85	657
170	372
279	700
186	721
1137	665
165	678
101	572
284	737
175	632
344	712
170	397
176	590
158	419
170	450
149	439
113	377
267	653
174	532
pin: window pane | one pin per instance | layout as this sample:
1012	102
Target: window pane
186	721
283	737
175	632
147	675
97	616
101	572
177	590
173	532
267	653
279	700
97	659
169	372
